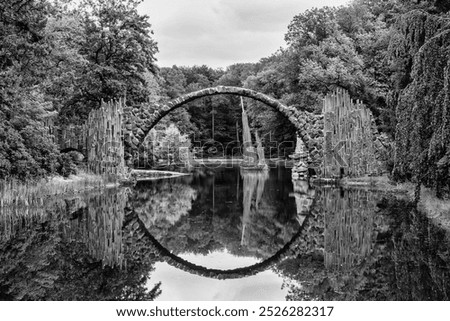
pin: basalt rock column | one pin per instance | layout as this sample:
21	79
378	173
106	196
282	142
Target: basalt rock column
300	158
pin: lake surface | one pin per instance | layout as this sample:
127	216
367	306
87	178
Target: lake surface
223	234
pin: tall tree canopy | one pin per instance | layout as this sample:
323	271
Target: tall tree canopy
117	48
62	58
419	52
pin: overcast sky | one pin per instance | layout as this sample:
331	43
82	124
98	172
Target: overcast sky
219	33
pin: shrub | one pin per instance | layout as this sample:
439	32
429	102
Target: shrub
26	154
67	165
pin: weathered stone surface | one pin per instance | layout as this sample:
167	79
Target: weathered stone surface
310	127
140	132
135	141
142	121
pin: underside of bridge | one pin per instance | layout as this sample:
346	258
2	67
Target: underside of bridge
139	121
342	141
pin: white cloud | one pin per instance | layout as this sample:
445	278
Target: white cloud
221	32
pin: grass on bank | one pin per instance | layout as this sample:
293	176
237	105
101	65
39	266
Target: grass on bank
15	191
382	183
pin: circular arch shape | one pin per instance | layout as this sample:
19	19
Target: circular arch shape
140	121
236	273
225	90
298	118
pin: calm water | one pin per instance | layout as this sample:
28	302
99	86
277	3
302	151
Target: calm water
223	234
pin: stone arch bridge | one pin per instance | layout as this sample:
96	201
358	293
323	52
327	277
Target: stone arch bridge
342	141
139	121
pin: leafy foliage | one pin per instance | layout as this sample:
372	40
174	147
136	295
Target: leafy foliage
114	48
26	149
420	56
168	146
61	59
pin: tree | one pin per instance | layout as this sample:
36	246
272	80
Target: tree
169	146
344	49
26	149
419	58
310	27
118	49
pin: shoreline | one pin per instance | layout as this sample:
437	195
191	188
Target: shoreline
16	191
437	210
153	174
376	183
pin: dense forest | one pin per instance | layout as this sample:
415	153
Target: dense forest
59	59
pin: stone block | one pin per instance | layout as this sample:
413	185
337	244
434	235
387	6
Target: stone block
135	142
140	132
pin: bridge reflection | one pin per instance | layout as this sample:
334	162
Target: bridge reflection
336	224
344	248
180	263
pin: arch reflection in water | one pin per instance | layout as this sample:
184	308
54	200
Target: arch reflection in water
348	248
241	272
255	217
230	207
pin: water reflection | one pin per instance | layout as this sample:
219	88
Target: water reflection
98	222
74	251
266	286
201	269
248	214
349	225
368	248
304	196
263	233
253	189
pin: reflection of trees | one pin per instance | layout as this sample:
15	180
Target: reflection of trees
160	204
262	231
268	218
180	263
74	253
18	216
185	228
368	254
419	258
215	221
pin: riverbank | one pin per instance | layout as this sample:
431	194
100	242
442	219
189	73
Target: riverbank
16	191
438	210
381	183
151	174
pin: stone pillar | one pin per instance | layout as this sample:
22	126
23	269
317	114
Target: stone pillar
300	158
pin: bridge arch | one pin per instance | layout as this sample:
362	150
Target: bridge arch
139	122
180	263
